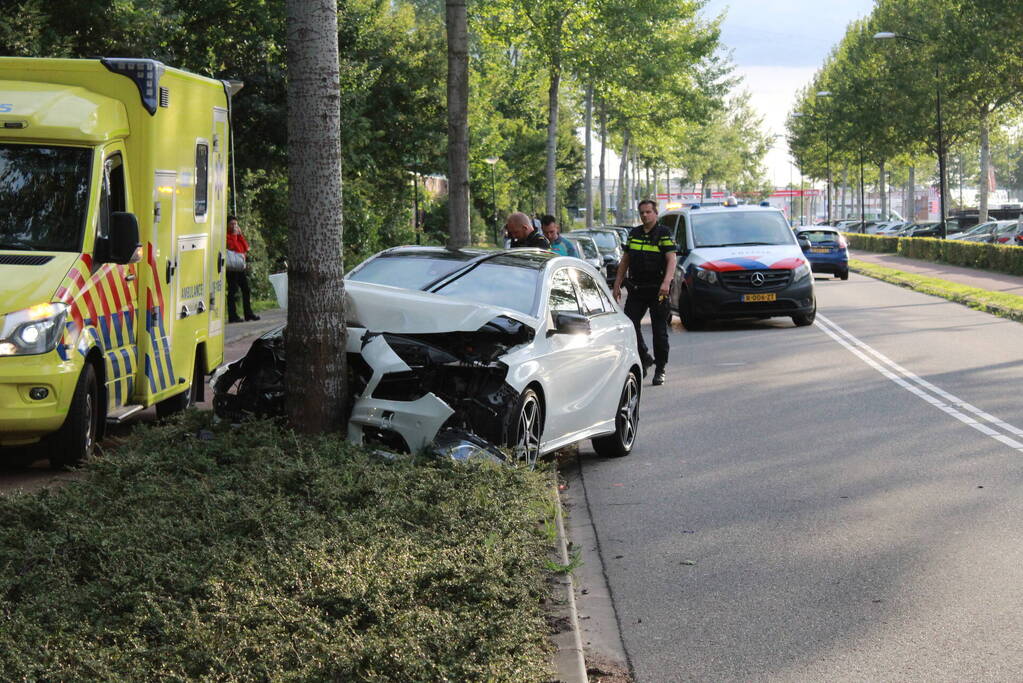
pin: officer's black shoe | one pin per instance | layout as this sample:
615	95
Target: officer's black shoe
234	320
658	377
647	363
251	316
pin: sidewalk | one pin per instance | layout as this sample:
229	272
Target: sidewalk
269	319
971	277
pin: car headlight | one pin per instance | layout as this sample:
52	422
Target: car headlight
32	331
708	276
801	271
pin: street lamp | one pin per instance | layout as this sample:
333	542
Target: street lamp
942	182
493	194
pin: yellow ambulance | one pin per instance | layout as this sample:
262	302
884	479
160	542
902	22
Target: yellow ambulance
113	202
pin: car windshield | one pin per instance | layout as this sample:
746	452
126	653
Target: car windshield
501	281
411	271
819	236
978	229
735	228
588	248
605	240
44	196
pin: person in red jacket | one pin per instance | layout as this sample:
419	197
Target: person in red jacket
237	279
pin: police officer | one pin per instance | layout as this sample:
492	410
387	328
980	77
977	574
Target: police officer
523	233
649	262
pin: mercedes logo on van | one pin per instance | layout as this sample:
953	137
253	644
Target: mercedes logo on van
757	279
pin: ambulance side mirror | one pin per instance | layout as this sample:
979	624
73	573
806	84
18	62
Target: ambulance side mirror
123	243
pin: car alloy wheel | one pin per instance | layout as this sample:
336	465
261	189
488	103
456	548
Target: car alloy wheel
620	443
528	429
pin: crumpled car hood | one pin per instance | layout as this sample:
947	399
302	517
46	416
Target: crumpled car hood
381	308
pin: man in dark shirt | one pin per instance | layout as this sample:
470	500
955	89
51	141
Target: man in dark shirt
523	234
649	261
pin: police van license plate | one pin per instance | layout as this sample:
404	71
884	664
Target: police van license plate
746	298
820	250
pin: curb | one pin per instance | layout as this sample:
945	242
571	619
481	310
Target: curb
569	661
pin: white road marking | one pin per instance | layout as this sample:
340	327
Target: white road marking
939	398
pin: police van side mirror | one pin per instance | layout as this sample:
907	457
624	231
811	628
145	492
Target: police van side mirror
123	242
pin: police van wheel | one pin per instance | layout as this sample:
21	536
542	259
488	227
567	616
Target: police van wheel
75	441
806	319
687	314
184	400
620	443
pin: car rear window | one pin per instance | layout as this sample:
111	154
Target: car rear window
819	236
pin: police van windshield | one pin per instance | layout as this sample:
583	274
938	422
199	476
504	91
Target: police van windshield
739	228
44	197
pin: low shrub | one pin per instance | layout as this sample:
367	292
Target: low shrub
999	258
201	551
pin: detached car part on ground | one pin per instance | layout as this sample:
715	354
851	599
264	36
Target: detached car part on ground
464	352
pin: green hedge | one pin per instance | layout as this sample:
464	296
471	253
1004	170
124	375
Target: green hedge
202	552
998	258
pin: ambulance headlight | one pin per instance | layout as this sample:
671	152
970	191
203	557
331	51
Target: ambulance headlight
708	276
801	271
32	330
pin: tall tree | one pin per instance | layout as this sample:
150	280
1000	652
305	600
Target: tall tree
458	124
316	334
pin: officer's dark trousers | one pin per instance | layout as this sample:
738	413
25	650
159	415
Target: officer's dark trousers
639	300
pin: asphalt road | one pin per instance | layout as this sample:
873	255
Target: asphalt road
824	503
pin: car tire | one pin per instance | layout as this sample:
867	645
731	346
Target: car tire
620	443
183	401
526	428
75	441
687	314
806	319
844	275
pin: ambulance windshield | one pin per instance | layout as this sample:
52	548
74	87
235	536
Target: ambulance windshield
44	196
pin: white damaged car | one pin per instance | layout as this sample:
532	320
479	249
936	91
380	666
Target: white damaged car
520	348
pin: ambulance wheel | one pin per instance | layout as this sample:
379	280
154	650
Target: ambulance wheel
184	400
76	439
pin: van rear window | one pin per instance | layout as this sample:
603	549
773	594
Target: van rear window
44	197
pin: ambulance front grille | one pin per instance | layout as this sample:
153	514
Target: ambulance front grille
24	260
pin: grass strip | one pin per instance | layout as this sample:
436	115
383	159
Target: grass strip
1003	305
198	551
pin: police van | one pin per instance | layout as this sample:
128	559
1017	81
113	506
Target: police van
738	261
113	186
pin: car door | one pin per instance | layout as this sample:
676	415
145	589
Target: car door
564	366
608	341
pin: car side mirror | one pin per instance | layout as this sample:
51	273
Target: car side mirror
571	323
122	244
608	259
803	243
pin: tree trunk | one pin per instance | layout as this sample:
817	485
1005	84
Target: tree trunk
552	137
458	124
912	194
842	211
882	187
623	167
603	157
985	167
588	179
316	334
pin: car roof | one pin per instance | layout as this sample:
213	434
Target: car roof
816	228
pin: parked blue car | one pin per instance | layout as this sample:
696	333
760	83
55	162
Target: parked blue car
826	250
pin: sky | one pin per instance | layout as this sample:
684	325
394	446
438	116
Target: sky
777	46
